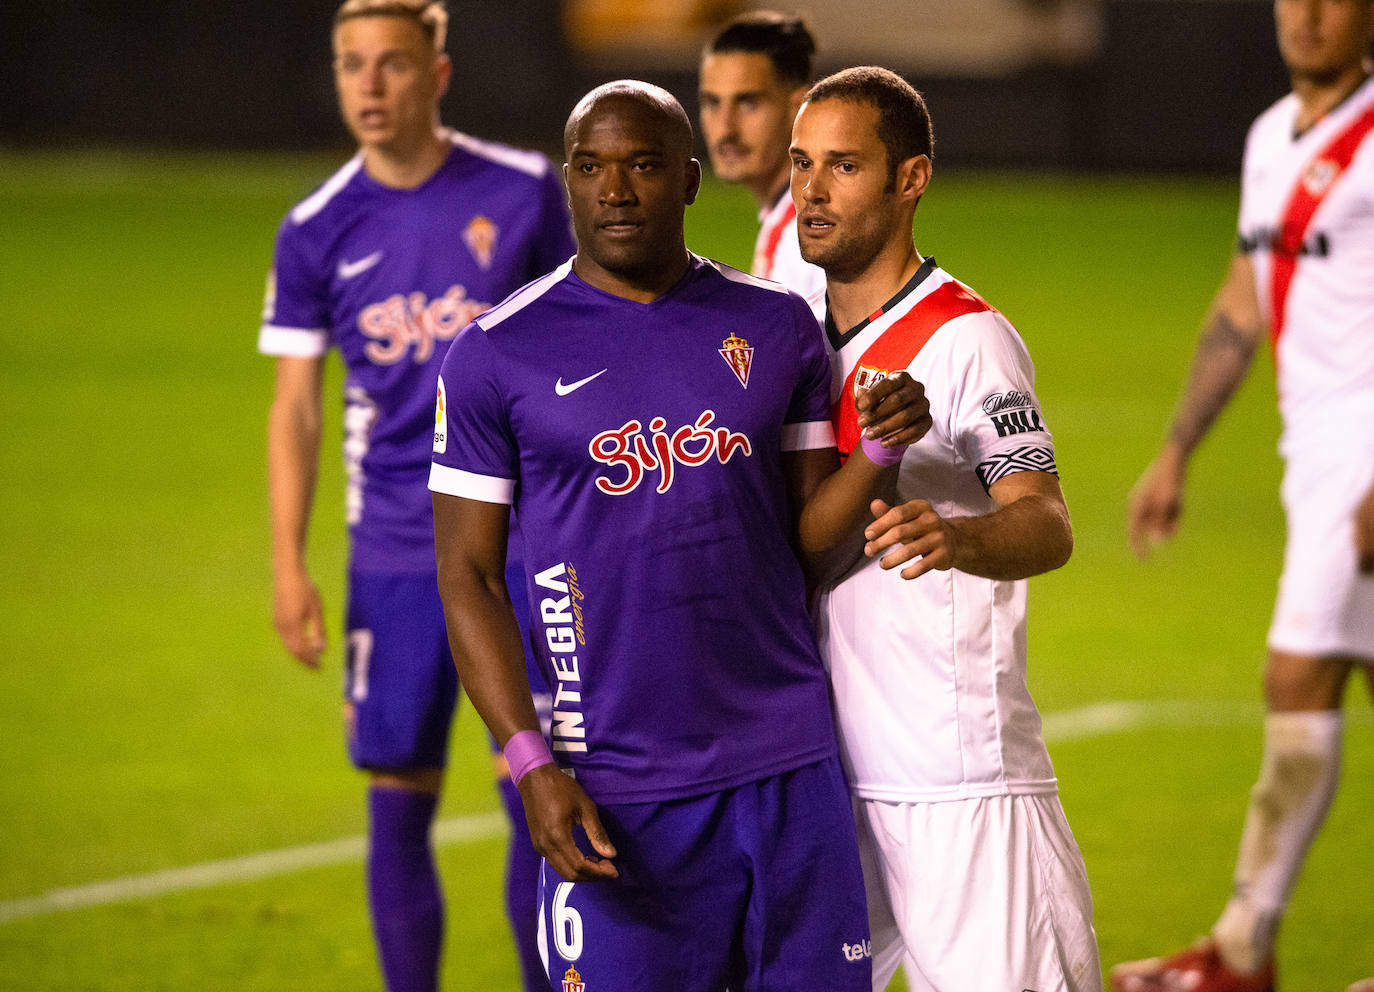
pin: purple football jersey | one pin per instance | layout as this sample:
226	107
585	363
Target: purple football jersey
641	445
389	277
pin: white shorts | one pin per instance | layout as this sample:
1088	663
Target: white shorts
1325	606
977	895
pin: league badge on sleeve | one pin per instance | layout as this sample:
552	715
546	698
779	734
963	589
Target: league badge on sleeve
269	297
572	981
739	356
480	237
441	420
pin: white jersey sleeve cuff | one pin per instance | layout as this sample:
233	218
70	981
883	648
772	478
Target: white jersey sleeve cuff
292	342
805	437
469	485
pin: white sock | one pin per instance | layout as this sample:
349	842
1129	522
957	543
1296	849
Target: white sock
1298	776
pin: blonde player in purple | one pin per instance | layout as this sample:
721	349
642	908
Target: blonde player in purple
659	423
387	262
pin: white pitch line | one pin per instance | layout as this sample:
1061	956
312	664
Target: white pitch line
1116	716
458	830
1069	725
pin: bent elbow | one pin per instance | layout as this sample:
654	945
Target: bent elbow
1065	550
1063	545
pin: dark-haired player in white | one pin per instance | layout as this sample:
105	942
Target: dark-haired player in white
754	73
1303	275
970	864
659	422
422	230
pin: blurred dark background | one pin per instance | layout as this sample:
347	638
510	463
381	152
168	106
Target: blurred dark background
1158	85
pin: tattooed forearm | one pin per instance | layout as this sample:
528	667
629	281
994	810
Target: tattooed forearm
1223	356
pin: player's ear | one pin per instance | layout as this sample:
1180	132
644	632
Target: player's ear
567	190
443	72
913	176
693	181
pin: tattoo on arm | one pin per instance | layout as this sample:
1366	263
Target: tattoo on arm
1223	356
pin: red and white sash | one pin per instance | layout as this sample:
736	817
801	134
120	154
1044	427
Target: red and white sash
895	349
763	261
1317	180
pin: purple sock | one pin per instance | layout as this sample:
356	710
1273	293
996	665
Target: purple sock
522	891
403	889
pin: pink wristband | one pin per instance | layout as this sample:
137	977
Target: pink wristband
879	455
526	751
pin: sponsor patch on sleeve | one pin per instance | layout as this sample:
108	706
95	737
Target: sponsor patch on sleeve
1013	412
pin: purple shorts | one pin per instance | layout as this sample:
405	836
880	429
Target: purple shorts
399	679
752	889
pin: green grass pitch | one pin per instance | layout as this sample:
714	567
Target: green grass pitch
149	721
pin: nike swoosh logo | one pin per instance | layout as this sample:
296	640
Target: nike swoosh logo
347	270
564	390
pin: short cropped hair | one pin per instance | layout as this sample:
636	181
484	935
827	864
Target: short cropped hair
785	39
430	15
904	125
677	125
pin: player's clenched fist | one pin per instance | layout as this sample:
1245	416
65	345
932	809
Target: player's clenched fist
915	531
895	411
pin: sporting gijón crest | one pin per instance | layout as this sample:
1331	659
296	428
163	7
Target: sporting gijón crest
739	356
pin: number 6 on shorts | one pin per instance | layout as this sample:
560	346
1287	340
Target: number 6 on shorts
567	924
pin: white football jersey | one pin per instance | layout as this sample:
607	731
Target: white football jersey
929	675
777	255
1307	224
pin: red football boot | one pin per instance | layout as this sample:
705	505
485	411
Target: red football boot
1198	969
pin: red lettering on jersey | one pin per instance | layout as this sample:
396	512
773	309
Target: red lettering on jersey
694	444
1315	183
898	346
612	448
699	433
662	448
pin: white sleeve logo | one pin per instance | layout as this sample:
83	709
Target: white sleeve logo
440	420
